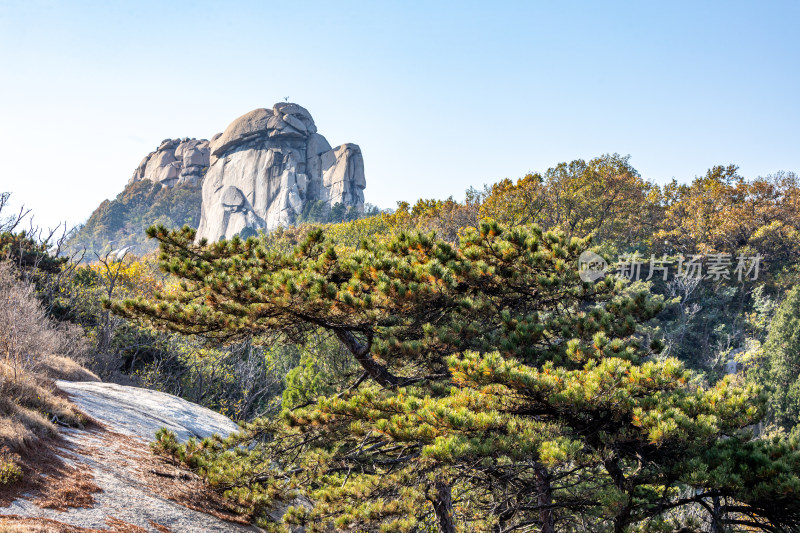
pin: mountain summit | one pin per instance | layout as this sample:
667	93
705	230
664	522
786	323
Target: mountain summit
268	165
269	168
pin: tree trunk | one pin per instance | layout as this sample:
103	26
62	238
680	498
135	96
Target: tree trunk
544	499
361	352
623	515
443	507
715	525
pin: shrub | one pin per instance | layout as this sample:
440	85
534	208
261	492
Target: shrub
30	348
25	330
10	472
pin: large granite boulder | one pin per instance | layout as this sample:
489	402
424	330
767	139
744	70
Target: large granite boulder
175	161
267	165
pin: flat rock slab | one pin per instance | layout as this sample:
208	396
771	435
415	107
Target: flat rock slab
137	491
141	412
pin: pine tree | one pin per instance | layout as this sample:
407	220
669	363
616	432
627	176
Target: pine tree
782	369
499	391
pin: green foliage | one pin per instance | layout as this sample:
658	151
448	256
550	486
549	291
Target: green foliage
320	371
320	212
781	372
351	234
443	366
28	253
10	472
718	212
605	196
501	389
33	252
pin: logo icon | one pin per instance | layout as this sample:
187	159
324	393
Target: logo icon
591	266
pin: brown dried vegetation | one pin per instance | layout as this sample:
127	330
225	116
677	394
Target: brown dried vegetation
18	524
30	408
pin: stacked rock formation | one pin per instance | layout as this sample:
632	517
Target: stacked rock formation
174	162
267	165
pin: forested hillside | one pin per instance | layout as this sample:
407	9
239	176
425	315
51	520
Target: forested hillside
121	222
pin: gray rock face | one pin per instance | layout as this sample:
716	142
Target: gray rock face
141	412
266	166
174	162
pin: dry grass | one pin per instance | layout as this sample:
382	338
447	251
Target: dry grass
22	528
50	482
67	486
29	526
31	408
72	488
122	526
60	367
18	524
160	528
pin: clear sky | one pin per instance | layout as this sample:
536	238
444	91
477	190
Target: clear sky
439	95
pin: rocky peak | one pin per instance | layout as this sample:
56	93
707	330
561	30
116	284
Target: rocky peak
283	120
260	172
267	165
175	161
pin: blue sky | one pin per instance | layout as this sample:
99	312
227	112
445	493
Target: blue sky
439	96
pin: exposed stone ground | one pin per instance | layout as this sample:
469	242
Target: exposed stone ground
109	480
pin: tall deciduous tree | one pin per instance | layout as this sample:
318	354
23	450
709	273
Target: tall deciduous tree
723	212
605	196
